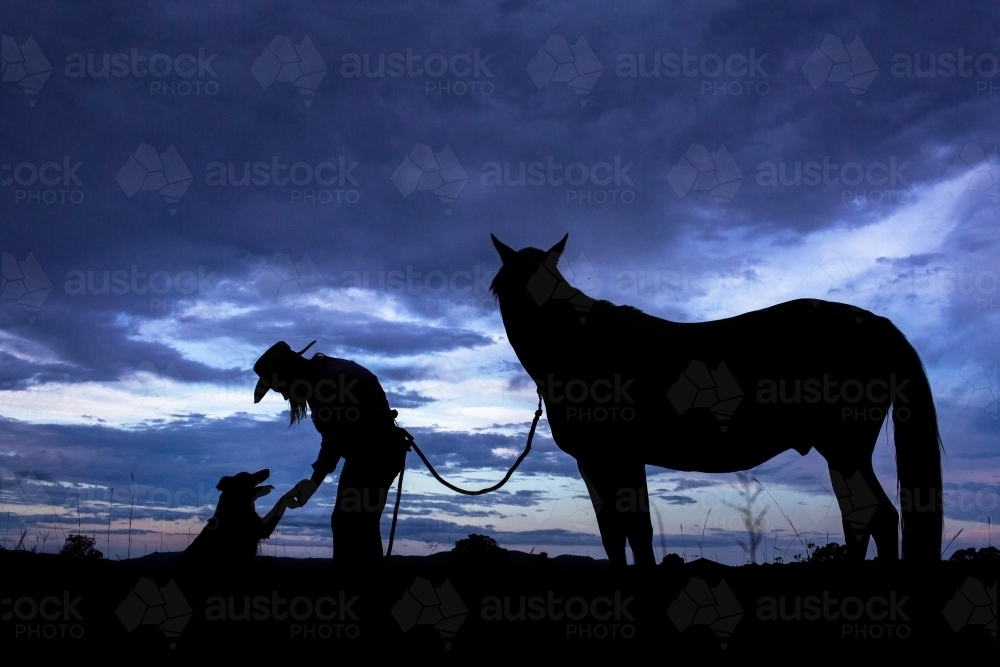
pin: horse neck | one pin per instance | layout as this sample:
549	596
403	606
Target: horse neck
539	334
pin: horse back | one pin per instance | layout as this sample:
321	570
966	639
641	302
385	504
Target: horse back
726	394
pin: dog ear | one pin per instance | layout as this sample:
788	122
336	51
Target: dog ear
224	483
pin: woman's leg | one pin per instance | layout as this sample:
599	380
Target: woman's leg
362	493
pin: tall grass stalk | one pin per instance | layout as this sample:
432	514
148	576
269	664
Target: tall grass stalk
111	505
786	518
701	551
131	507
952	541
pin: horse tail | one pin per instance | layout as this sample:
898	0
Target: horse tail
918	456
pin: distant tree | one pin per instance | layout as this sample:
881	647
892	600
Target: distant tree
81	547
672	561
480	548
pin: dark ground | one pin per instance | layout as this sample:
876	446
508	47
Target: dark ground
455	607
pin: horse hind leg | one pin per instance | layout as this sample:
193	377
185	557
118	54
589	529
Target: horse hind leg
866	511
621	504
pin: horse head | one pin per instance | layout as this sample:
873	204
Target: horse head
541	311
530	279
526	270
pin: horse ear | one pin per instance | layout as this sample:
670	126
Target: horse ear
559	247
507	254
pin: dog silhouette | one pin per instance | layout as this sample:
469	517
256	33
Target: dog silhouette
232	535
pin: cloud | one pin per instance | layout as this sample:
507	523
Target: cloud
146	337
683	484
407	399
674	499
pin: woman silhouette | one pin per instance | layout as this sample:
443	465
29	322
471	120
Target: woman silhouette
351	412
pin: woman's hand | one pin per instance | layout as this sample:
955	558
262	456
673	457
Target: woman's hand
300	494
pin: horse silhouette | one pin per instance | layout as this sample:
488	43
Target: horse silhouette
623	389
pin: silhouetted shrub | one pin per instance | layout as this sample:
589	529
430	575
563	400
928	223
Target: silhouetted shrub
828	554
81	547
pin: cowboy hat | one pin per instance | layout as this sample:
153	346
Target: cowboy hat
277	358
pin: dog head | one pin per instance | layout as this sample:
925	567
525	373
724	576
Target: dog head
245	486
230	538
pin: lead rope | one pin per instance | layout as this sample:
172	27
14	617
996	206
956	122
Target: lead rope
413	444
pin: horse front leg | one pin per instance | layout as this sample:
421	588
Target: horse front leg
621	504
633	502
602	495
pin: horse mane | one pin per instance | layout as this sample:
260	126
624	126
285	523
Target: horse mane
616	309
500	281
626	308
